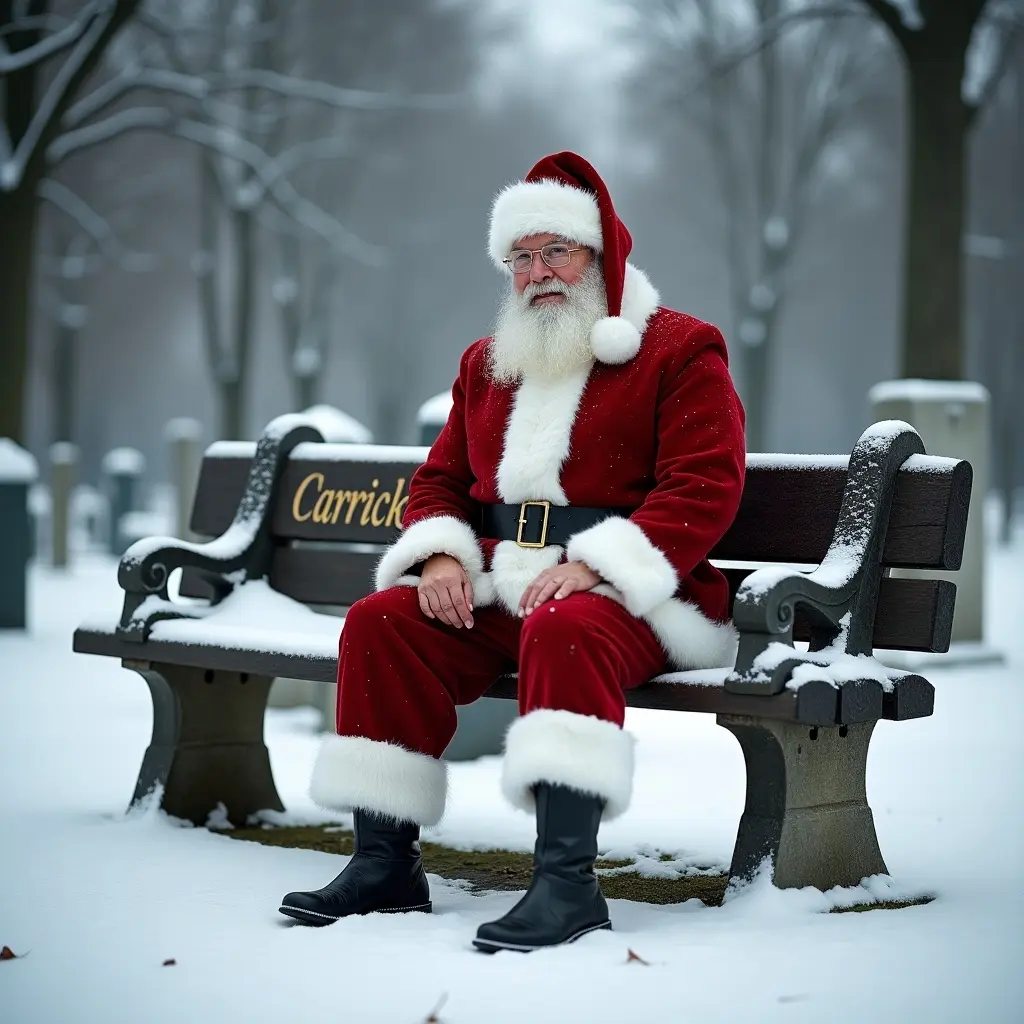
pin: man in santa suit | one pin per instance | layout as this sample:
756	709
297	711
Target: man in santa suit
560	528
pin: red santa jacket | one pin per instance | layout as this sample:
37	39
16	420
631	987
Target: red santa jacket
662	433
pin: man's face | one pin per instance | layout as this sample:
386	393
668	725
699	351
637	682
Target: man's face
544	322
541	274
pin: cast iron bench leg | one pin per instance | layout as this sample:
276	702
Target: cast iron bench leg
806	806
207	746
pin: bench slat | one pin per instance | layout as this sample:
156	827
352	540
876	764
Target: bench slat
813	704
913	615
788	513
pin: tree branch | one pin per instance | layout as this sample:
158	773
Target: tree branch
34	23
51	44
891	18
93	224
130	119
1013	32
769	32
134	77
201	88
79	63
228	143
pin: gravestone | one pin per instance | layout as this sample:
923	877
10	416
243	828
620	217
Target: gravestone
432	416
123	469
184	441
952	418
63	464
18	471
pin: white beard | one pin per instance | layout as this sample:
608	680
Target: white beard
547	341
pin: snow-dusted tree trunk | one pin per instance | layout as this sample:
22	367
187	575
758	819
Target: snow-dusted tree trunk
934	40
302	293
18	217
32	113
225	268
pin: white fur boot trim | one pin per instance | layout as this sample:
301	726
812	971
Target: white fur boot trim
580	752
355	772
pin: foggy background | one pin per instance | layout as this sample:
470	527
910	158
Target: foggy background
171	280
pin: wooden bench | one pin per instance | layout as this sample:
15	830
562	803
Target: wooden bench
311	518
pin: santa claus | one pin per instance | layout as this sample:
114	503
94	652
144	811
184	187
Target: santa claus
560	528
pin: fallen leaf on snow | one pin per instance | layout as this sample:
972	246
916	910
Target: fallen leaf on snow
631	957
432	1017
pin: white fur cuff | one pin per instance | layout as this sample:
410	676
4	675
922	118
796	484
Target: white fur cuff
436	535
620	552
354	772
563	748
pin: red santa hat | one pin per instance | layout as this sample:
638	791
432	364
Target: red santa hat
564	195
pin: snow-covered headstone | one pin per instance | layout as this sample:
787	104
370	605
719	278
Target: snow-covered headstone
432	416
337	426
123	469
63	466
18	471
185	455
952	418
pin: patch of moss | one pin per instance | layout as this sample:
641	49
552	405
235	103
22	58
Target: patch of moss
490	870
858	908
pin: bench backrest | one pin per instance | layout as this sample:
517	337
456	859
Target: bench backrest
338	505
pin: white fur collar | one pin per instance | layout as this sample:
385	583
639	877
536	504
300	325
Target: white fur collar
537	438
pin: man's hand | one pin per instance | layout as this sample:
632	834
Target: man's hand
445	591
557	582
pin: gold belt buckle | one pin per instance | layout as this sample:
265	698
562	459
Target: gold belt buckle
546	505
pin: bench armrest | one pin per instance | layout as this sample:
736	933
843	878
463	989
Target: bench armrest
840	596
242	552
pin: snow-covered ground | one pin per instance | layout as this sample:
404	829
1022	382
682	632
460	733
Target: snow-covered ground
98	900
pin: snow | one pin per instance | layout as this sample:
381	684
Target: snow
235	540
253	617
63	453
124	462
17	466
336	425
912	390
99	899
134	526
183	428
315	451
434	411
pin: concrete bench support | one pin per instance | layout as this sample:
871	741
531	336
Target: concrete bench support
806	808
207	746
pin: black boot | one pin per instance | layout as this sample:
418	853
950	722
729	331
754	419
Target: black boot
385	874
564	901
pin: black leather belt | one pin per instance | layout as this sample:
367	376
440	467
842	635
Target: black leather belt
536	524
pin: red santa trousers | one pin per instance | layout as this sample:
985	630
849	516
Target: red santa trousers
401	676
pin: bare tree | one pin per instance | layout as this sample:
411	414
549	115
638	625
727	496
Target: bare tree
780	130
954	54
945	90
45	59
32	37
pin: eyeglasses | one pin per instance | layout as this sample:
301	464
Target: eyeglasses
554	254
